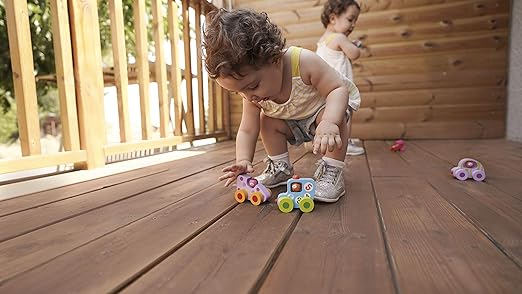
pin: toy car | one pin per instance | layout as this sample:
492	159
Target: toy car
300	193
249	188
398	146
469	168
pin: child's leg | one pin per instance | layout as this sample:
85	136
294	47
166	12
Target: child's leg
329	174
274	133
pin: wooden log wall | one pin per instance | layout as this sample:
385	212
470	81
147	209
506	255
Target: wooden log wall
429	68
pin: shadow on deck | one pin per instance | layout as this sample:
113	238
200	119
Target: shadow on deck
407	226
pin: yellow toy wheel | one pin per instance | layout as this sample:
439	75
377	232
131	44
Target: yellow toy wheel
256	198
306	204
285	204
241	195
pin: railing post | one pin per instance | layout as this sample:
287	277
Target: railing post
89	79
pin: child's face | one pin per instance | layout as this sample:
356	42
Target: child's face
256	85
344	23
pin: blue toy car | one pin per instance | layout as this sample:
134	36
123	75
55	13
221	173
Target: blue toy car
300	193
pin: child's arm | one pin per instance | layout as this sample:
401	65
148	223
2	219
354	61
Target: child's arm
246	140
348	47
315	71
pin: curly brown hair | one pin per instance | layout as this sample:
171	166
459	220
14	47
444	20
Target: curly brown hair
337	7
238	38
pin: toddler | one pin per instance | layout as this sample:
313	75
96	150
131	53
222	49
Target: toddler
288	95
339	18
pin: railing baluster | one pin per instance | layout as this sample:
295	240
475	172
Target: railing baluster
175	72
89	79
23	76
121	80
65	75
142	62
161	71
189	115
199	69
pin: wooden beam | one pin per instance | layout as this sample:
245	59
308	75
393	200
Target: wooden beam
65	74
23	76
89	79
142	52
161	72
121	81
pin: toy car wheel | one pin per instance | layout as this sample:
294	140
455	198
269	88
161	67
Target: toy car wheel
306	204
285	204
453	169
478	175
241	195
460	174
256	198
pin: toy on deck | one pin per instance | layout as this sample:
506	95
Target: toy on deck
249	188
398	146
469	168
300	193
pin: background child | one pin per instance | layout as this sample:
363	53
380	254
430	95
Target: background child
339	18
289	95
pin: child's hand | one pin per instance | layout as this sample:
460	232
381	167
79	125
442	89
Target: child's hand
232	171
327	137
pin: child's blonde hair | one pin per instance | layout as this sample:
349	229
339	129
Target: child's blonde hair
237	38
336	7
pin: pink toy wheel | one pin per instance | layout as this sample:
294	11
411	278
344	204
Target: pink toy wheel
460	174
478	175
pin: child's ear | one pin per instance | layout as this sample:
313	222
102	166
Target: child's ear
332	18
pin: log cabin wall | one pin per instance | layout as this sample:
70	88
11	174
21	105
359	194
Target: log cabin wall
429	68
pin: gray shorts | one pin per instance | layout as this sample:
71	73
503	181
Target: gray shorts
304	129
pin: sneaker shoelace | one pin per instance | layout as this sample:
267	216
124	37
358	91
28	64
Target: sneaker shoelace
328	173
270	166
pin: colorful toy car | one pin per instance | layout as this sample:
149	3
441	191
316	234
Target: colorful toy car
249	188
398	146
300	193
469	168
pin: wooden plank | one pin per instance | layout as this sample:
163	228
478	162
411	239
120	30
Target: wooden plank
503	167
121	80
336	247
91	225
381	158
161	71
38	161
491	40
175	71
435	96
436	249
199	69
404	32
142	62
89	80
38	199
469	59
495	212
176	203
479	129
432	13
423	80
259	231
189	115
429	113
23	76
65	75
220	107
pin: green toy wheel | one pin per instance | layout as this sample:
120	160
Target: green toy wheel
285	204
306	204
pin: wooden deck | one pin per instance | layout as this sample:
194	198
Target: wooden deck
407	226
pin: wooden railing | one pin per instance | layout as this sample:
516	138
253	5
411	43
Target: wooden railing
80	83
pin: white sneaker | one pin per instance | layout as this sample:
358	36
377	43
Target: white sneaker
354	149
